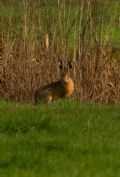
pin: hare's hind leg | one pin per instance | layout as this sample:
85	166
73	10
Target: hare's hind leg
43	100
47	99
43	96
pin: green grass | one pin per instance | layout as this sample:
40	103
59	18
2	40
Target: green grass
63	139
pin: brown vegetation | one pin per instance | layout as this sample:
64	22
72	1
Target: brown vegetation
28	58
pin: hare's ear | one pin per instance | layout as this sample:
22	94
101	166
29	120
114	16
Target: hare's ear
70	64
60	64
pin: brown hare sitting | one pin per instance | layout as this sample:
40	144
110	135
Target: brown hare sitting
56	90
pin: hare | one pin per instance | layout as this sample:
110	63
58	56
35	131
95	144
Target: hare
56	90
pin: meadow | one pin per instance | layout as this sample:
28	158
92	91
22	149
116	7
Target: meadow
72	137
66	138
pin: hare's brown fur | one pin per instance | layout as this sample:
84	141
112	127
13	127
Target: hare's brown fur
56	90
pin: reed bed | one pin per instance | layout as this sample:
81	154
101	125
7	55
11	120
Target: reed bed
31	43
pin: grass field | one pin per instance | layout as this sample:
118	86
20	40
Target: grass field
63	139
66	138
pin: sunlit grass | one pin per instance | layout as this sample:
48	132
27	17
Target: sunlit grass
66	138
